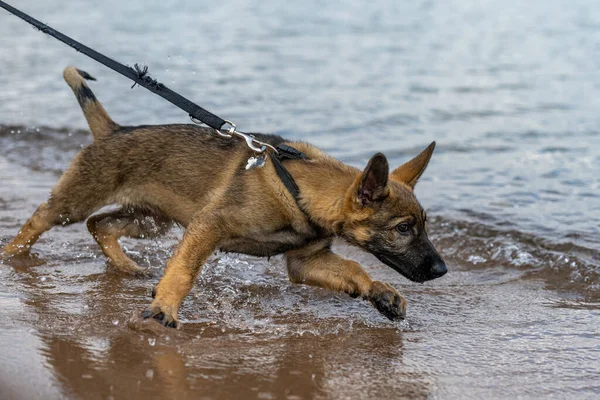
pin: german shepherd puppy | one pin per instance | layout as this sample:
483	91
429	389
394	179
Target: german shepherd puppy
188	175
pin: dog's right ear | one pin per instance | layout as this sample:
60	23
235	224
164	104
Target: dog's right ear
371	185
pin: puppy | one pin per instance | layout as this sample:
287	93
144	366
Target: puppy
186	174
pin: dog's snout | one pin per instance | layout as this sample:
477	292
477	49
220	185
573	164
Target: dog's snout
439	269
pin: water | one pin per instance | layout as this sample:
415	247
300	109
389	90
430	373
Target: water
510	91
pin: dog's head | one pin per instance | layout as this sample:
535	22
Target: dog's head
383	216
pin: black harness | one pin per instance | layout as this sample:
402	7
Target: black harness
140	75
285	152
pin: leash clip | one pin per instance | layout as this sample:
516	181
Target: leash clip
254	144
230	132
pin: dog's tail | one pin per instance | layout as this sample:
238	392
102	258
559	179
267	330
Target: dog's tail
98	119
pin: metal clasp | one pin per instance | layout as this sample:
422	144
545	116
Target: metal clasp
230	132
254	144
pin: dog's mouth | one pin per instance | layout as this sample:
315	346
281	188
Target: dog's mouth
404	270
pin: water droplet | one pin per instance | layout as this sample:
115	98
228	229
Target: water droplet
116	322
150	374
151	341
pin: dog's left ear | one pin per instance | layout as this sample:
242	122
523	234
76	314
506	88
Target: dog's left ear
372	184
410	172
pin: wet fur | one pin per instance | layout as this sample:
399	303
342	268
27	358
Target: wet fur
187	175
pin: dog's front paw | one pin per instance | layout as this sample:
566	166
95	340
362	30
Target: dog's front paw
387	301
164	315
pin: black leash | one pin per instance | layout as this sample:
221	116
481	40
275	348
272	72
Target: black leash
140	76
137	74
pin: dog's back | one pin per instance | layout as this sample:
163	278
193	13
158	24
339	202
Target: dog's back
184	165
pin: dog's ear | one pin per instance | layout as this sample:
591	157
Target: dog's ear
410	172
372	183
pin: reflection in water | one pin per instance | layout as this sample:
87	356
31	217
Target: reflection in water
127	366
95	353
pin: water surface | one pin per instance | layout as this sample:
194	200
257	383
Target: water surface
510	91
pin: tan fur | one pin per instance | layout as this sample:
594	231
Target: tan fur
188	175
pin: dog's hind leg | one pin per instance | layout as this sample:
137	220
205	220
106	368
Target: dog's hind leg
39	223
74	198
107	228
49	214
316	265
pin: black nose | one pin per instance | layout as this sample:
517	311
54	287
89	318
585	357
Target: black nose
439	269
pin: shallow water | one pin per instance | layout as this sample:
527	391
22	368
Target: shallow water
510	91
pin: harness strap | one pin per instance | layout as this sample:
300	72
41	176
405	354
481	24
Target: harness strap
285	152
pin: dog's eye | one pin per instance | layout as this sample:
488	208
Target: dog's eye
403	227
